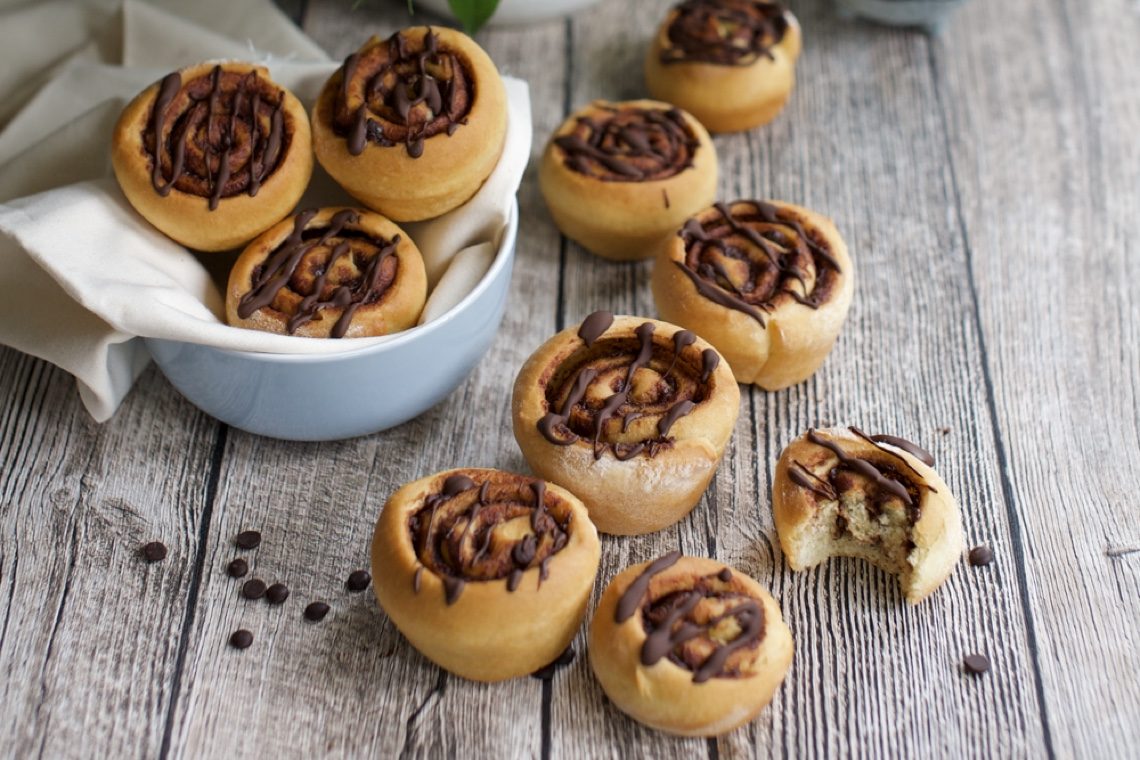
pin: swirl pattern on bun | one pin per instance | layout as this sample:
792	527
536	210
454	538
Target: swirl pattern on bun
633	414
767	283
487	573
620	178
334	272
413	124
730	63
842	492
688	645
213	154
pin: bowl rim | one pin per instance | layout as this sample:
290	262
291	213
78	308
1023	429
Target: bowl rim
502	259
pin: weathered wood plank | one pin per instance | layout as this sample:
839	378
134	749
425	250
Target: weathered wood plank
605	49
876	164
1050	206
874	675
352	685
90	634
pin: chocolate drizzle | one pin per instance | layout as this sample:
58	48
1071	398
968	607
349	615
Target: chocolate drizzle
459	534
710	360
909	447
215	136
597	394
332	266
594	325
630	144
724	32
689	625
402	91
748	255
805	478
630	601
888	475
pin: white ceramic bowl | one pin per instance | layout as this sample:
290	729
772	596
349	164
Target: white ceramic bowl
930	14
512	12
321	397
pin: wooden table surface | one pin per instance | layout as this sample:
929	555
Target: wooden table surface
988	185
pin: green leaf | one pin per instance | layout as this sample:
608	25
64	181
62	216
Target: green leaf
473	13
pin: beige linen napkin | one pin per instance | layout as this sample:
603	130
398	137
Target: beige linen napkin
84	275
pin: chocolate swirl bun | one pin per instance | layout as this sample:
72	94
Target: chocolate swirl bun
633	414
843	493
620	177
731	63
213	154
412	125
689	646
767	283
630	144
485	572
328	273
724	32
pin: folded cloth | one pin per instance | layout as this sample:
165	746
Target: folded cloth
84	275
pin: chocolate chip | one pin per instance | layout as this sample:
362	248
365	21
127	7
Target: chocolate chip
976	664
546	672
155	551
253	589
316	611
237	568
248	539
241	639
277	593
980	556
358	580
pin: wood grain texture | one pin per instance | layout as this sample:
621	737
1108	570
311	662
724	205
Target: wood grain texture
90	634
352	685
988	185
877	165
1050	207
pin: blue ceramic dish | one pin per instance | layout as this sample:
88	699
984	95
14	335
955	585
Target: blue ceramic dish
930	14
321	397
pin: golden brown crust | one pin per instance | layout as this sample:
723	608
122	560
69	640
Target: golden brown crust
384	175
847	514
725	97
783	341
184	214
627	219
669	694
658	483
486	632
377	271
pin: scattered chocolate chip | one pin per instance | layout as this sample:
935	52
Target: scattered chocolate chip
980	556
316	611
944	430
241	639
248	539
546	672
237	568
358	580
277	593
155	551
976	664
253	589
